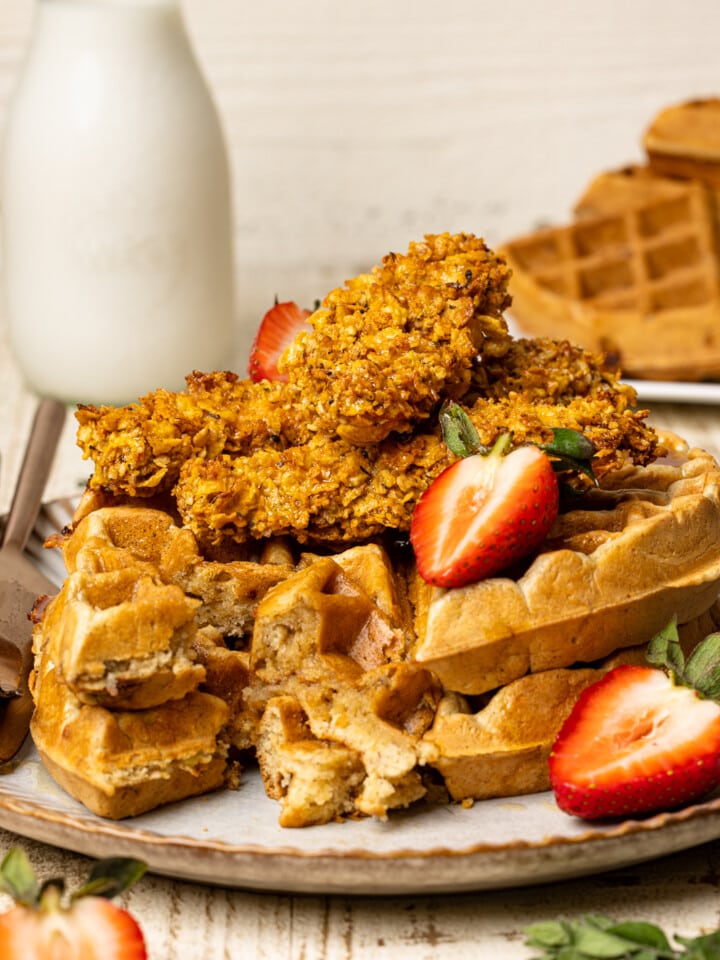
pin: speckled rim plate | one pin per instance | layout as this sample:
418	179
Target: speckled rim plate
231	838
665	391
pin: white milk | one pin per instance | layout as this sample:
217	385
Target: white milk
117	215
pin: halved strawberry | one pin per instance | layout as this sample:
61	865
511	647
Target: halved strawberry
483	513
90	927
276	332
638	741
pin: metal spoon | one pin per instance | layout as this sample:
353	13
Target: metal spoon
20	582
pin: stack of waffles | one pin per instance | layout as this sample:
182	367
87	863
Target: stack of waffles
354	686
636	274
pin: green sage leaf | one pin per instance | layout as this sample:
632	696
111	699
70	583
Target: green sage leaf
18	878
110	877
646	934
706	947
600	943
547	934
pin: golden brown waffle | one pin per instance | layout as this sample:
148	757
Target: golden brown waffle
501	749
315	781
683	140
120	763
320	620
228	592
122	638
638	281
617	191
613	573
124	628
328	663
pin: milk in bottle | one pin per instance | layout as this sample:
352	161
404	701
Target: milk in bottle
116	206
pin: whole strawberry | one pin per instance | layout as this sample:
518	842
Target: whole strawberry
643	739
89	927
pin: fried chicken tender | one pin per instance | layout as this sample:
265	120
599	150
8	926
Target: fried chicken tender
386	347
325	490
139	449
343	450
333	491
552	371
384	350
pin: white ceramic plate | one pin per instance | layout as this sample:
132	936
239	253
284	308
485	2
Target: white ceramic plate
233	839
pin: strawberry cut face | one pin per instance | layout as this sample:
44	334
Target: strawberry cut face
635	743
40	926
482	514
93	929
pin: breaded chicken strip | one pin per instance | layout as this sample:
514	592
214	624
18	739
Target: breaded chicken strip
343	450
139	449
333	491
552	371
384	351
389	345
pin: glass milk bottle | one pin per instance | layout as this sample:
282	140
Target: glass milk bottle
116	206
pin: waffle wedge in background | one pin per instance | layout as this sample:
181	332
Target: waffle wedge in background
635	274
684	141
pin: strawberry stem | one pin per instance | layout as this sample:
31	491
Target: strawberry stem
106	878
568	450
459	431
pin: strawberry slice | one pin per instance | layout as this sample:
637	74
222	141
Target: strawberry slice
90	927
639	740
483	513
276	332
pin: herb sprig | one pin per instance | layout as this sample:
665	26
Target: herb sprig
597	937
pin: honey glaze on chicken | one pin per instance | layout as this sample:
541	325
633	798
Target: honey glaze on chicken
343	450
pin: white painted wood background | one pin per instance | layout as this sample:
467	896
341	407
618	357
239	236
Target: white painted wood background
356	127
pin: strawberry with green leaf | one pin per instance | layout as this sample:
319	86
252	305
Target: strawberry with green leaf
643	738
490	508
88	926
277	330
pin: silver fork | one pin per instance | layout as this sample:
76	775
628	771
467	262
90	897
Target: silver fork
21	583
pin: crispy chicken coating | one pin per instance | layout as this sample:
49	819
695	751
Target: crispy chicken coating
343	450
386	347
139	449
334	491
384	350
